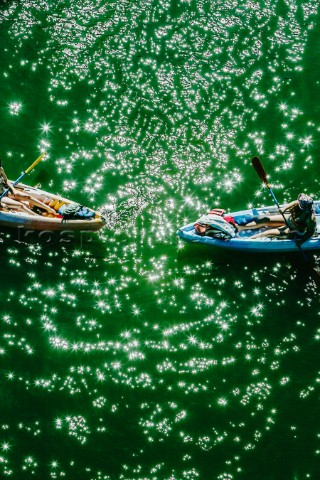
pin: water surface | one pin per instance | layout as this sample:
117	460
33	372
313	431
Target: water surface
125	355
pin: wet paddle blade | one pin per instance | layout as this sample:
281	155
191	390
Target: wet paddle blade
257	165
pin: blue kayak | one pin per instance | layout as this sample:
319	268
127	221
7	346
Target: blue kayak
243	243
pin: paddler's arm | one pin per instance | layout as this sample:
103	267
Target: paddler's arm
7	182
288	206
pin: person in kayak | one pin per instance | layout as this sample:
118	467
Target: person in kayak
7	203
300	222
18	199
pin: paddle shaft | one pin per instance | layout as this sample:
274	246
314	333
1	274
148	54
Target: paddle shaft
286	222
262	174
7	190
276	202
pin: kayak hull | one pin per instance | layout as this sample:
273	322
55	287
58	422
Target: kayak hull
23	220
51	224
243	242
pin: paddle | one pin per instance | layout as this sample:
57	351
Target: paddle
28	170
257	165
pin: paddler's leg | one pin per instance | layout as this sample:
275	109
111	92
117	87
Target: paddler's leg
16	205
271	232
259	221
24	196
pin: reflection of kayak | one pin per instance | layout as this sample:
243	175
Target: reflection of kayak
242	242
45	221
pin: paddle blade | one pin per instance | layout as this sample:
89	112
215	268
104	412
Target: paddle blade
35	163
257	165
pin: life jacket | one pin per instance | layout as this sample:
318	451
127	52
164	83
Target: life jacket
299	218
221	212
217	211
215	226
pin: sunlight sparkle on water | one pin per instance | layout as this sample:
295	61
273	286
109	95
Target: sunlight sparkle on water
15	108
124	342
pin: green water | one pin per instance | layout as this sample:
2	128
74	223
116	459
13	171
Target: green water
125	355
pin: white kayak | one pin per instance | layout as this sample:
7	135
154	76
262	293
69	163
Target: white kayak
44	220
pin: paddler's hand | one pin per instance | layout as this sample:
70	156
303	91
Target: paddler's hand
11	188
9	185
